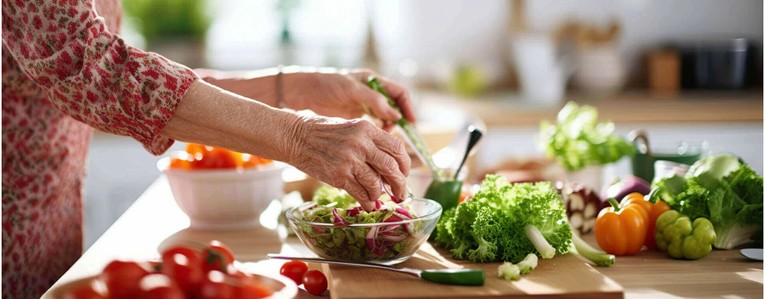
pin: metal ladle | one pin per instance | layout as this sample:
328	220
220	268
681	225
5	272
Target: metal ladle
475	136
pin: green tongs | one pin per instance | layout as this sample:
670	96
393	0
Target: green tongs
410	131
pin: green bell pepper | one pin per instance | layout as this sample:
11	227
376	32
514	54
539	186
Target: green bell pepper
683	239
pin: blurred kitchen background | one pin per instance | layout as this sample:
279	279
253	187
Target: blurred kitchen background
681	70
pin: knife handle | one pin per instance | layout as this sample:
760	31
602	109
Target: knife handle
465	277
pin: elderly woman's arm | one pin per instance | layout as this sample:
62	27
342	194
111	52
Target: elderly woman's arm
350	154
326	91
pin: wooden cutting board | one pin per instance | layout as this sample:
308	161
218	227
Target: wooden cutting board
561	276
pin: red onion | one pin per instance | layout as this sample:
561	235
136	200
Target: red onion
404	212
582	205
371	236
354	211
392	197
339	221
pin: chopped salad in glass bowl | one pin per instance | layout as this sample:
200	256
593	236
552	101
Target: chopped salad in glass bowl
334	226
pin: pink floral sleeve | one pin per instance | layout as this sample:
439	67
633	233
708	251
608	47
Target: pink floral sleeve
90	73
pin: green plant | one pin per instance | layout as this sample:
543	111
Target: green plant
156	19
578	140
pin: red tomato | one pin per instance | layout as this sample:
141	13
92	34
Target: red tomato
184	265
122	278
294	270
214	286
315	282
217	256
83	292
216	158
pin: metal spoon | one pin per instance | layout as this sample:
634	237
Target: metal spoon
475	135
467	277
752	253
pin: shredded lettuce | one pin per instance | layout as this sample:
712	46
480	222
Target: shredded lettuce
355	243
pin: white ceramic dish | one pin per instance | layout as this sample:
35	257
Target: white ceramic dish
226	198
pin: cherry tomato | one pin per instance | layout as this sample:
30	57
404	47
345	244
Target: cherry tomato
216	158
178	163
315	282
294	270
217	256
122	278
83	292
196	150
214	286
253	161
184	265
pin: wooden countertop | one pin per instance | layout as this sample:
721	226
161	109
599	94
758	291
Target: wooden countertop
509	109
154	221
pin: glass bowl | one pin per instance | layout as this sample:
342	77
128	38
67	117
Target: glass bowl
383	243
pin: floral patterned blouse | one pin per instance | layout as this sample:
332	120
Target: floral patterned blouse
65	71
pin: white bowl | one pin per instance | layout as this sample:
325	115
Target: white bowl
225	198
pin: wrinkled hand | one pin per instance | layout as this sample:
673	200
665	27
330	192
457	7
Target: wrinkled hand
354	155
346	95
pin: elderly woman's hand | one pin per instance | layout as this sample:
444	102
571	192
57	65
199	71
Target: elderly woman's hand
346	95
354	155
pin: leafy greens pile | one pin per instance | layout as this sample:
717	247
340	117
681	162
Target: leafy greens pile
578	140
722	189
506	222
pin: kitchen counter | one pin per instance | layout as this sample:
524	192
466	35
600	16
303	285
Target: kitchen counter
508	109
154	221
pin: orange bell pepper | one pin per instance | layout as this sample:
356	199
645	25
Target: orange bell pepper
621	229
654	210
